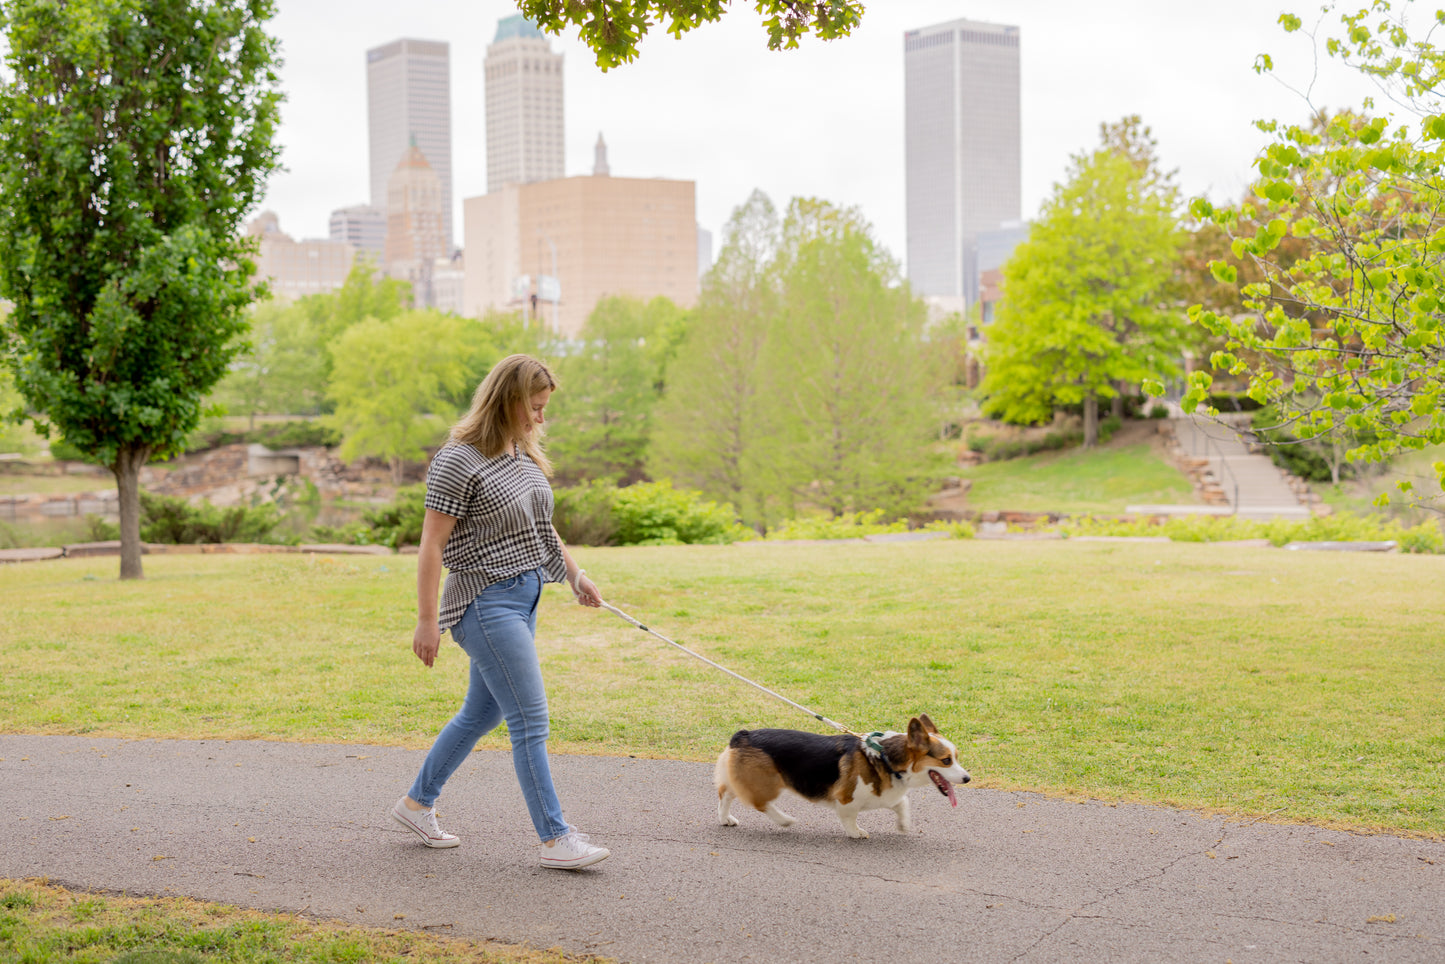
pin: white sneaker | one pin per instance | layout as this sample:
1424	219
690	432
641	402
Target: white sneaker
424	824
571	851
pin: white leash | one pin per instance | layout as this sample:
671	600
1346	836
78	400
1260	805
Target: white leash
816	716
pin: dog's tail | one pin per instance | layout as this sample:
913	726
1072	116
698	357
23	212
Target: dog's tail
740	738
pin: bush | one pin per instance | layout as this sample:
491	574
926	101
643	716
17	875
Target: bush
849	525
1108	426
583	514
654	513
174	521
999	446
398	524
286	435
644	514
1340	527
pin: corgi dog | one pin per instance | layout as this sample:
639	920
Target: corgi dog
848	773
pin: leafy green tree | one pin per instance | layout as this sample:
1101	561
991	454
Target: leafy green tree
614	28
1350	330
852	390
710	427
134	137
1087	303
283	370
610	384
394	384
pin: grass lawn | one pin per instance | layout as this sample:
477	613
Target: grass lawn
1249	680
1104	480
40	923
16	484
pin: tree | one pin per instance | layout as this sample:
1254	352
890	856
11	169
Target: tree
610	386
283	369
134	137
615	28
1086	302
1350	331
394	383
852	390
709	428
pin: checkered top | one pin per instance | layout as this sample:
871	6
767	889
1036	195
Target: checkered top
503	508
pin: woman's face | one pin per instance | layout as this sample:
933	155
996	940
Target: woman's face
536	406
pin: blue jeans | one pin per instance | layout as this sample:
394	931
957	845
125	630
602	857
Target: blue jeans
497	632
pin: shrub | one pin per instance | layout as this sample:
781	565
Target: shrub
583	514
849	525
1108	426
398	524
284	435
654	513
174	521
1340	527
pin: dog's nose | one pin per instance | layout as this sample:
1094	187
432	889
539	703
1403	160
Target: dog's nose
966	778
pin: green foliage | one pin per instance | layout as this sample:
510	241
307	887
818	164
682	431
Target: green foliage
601	418
998	445
1088	294
1344	334
398	524
654	513
174	521
614	30
856	525
283	368
648	513
712	425
395	383
134	136
582	514
1424	537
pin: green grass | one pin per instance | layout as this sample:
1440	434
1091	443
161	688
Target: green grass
1248	680
40	923
1103	480
18	484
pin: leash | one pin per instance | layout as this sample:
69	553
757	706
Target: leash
652	632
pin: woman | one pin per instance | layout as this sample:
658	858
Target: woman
489	522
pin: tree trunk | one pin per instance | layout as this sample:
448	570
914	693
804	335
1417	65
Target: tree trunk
396	470
1116	407
127	483
1091	420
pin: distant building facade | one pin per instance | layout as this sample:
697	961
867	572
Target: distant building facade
596	235
525	131
363	227
294	269
961	139
415	225
408	93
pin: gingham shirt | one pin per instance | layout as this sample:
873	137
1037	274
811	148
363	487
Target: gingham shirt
503	508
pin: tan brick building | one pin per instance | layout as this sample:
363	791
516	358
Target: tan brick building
609	236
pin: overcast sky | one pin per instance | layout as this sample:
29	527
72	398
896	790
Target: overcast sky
718	108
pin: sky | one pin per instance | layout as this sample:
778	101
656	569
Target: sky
826	120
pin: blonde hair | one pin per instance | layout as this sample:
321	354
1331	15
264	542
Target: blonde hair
500	410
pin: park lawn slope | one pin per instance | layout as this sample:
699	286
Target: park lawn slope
1104	480
1248	680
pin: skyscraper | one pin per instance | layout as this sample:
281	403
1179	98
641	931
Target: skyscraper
524	106
408	92
363	227
961	132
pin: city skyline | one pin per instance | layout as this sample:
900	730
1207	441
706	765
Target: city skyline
408	97
717	108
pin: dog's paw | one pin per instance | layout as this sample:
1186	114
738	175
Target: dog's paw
729	821
858	833
905	826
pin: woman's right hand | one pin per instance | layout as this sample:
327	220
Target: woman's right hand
426	641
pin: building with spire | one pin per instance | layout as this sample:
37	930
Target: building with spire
408	94
415	224
525	131
599	158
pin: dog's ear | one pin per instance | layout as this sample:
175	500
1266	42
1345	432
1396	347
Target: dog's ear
918	732
927	723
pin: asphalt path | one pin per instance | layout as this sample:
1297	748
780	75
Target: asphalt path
1013	877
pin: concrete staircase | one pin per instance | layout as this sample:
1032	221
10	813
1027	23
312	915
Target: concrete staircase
1232	478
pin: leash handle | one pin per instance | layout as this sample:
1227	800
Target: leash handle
651	632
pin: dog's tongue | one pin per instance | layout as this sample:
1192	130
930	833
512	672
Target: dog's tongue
944	787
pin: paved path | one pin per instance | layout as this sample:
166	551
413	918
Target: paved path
1251	481
1006	877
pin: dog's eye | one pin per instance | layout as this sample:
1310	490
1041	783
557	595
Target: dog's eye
947	761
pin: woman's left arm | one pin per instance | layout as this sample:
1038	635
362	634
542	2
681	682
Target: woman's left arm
583	587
